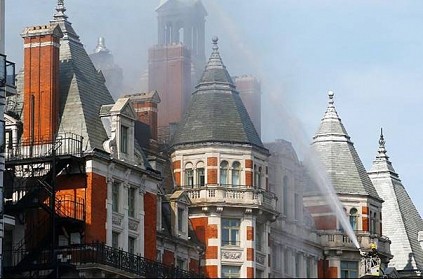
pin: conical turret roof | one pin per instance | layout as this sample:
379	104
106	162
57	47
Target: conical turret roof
82	87
401	220
216	112
339	156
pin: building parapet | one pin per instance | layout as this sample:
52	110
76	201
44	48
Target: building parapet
241	195
339	240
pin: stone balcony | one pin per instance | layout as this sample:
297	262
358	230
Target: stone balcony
337	240
240	196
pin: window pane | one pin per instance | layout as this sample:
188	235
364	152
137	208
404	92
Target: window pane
124	139
115	196
131	202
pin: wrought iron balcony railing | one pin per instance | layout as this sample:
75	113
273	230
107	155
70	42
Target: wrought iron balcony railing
99	253
64	144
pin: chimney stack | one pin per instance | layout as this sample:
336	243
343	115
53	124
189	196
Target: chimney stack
41	83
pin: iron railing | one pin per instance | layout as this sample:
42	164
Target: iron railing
99	253
64	144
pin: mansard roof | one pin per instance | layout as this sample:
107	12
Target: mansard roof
332	143
401	220
216	112
82	87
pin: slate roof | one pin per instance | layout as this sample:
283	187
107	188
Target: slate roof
216	112
82	88
332	143
401	220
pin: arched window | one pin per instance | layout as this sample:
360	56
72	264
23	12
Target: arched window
353	218
189	175
201	177
285	195
224	173
236	174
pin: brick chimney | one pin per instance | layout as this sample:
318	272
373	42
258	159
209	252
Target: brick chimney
41	83
145	105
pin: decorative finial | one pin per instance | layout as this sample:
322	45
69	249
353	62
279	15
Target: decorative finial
330	94
60	8
381	139
214	40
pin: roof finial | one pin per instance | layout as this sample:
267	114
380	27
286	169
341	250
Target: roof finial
330	93
381	139
60	8
215	46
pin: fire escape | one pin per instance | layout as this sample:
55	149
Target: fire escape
41	212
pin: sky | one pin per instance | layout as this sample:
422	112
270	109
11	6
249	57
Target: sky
370	53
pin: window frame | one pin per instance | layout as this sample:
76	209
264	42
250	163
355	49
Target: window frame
124	132
230	228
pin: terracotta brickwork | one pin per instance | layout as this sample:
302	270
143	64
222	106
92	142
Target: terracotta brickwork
319	209
211	271
168	257
41	83
332	272
170	74
249	178
248	164
250	272
176	164
193	265
96	208
250	233
211	252
147	114
325	222
365	224
365	210
150	220
177	176
212	161
199	225
322	268
250	254
211	176
211	231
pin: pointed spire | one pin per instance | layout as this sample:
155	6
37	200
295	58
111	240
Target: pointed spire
382	150
331	111
101	46
60	11
215	71
215	61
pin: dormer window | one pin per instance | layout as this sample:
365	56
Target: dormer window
123	139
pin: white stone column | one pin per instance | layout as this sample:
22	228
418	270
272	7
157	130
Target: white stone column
109	211
125	221
140	215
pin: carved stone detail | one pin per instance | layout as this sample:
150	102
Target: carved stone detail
133	224
260	258
117	219
231	255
